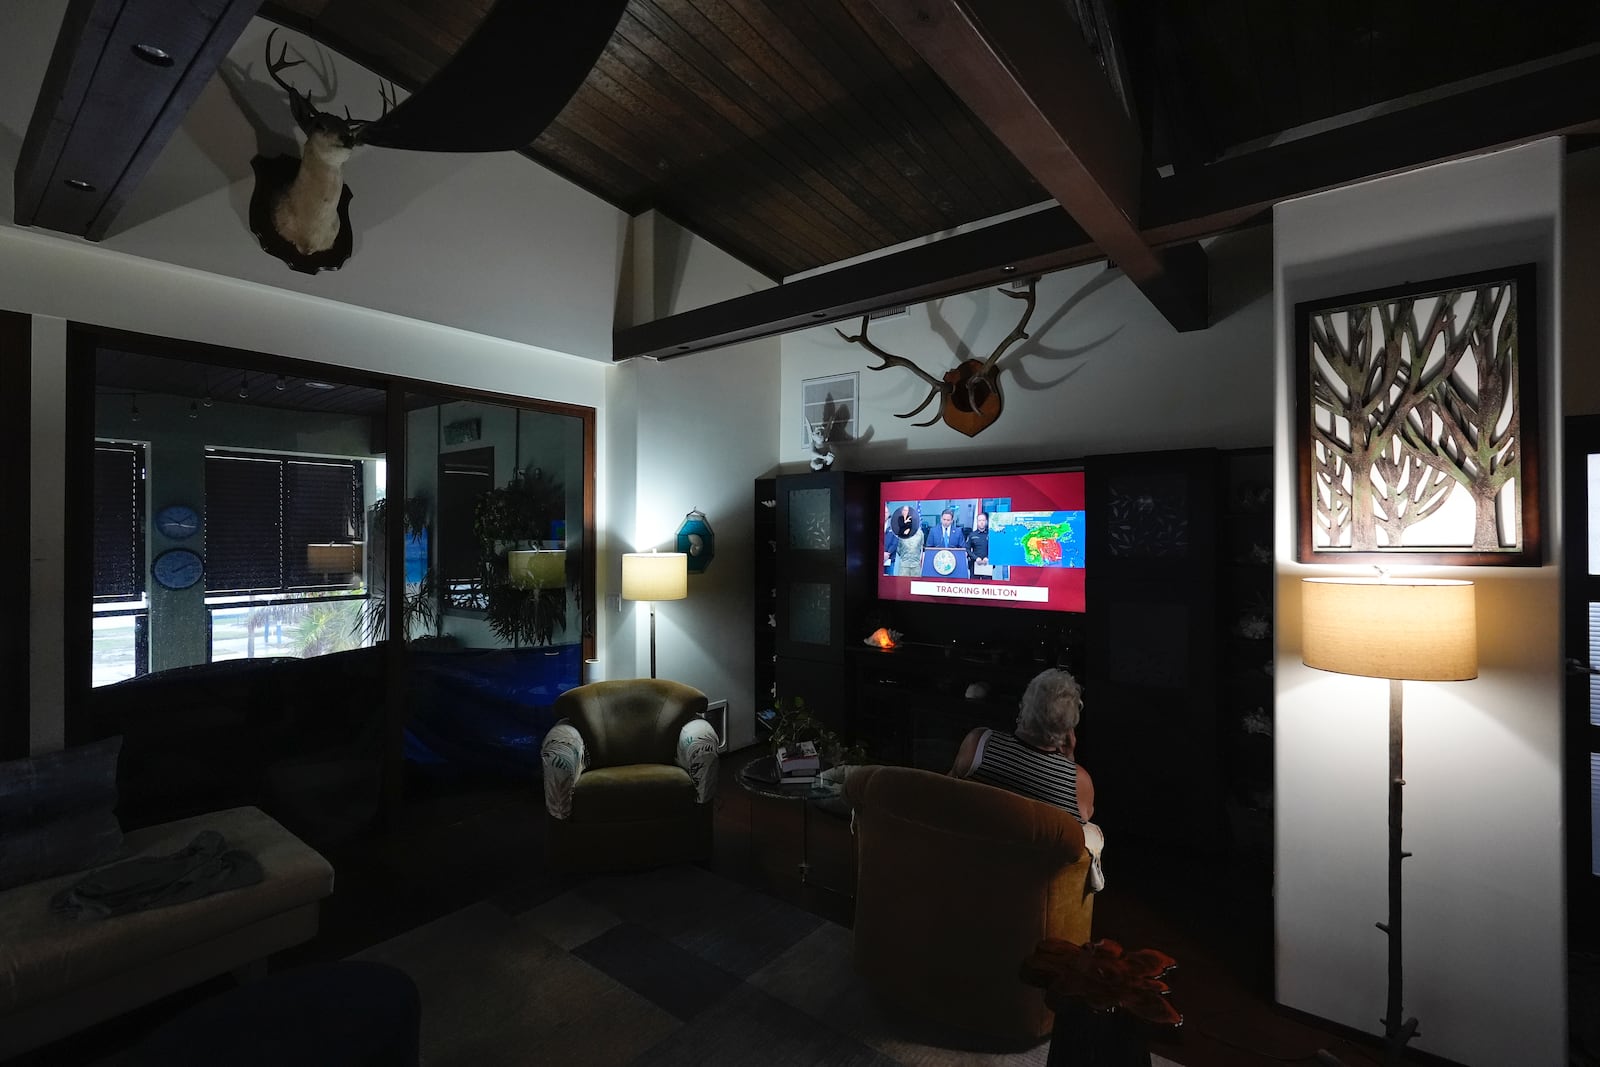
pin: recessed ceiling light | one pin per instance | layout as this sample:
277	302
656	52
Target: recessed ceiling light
78	184
159	57
319	385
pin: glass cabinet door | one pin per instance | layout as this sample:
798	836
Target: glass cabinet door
810	564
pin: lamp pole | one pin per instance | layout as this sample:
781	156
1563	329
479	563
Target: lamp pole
652	638
1395	1032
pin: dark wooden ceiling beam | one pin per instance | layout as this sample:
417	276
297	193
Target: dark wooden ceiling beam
1033	244
1025	71
1179	209
1563	98
106	109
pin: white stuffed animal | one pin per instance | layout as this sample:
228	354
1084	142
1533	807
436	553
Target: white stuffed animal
819	444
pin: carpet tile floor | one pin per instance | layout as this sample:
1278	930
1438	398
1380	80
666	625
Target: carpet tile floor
670	967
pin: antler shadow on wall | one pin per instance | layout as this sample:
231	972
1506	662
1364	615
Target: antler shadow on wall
969	394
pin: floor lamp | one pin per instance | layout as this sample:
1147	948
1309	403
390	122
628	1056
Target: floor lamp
653	576
1417	628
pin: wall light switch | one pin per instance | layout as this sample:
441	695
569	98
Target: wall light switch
614	601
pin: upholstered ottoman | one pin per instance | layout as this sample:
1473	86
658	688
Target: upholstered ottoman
59	975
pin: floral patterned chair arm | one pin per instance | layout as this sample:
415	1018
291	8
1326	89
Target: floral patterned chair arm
564	758
697	754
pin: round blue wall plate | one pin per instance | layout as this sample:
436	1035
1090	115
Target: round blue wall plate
178	568
178	522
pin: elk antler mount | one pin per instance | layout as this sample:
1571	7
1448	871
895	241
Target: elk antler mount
300	210
969	393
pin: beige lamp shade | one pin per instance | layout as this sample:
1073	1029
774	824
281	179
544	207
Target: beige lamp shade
1421	629
655	576
335	557
535	569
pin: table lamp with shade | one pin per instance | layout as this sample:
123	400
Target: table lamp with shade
532	568
1421	629
653	576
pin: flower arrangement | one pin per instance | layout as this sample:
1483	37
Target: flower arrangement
1104	977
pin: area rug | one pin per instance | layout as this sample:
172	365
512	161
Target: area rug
669	967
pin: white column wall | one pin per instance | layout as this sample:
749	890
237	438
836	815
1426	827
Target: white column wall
1484	918
703	429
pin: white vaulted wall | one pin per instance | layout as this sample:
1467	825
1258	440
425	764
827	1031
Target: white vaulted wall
489	243
1101	372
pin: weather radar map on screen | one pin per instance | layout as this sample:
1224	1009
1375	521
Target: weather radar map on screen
1006	540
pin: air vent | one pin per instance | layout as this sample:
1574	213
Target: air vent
888	313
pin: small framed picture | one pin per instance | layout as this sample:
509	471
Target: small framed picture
830	404
1417	423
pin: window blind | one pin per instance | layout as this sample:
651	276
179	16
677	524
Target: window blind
118	522
244	524
261	513
321	503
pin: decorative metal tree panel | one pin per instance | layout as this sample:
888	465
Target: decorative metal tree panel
1417	423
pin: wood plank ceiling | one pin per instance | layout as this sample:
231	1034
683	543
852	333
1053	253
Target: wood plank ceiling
794	135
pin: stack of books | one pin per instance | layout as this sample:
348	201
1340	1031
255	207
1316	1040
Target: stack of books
798	763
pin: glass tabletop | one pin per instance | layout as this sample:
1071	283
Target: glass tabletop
760	776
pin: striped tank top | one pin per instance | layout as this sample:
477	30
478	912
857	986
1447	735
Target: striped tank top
1002	760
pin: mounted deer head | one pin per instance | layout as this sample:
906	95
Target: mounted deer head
300	207
969	393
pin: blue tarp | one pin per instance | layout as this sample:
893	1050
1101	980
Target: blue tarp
487	709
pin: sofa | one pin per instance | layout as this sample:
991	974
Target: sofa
957	882
59	975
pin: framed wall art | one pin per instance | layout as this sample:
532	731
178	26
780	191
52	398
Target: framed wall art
830	405
1417	423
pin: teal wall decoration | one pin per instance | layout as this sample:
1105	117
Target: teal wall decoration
696	541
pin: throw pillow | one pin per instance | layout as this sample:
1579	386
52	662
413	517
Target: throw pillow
56	813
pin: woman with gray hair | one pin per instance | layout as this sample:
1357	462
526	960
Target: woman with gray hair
1037	761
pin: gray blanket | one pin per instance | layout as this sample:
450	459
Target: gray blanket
205	866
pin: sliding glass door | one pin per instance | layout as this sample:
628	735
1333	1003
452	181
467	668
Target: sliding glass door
265	619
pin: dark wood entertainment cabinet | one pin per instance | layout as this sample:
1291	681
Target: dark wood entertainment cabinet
1173	650
914	704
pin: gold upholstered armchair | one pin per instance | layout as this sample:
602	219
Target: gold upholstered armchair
630	770
957	882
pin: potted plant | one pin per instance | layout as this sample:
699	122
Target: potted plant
421	598
520	514
793	724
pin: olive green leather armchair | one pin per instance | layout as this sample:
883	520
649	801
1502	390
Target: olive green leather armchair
957	882
630	772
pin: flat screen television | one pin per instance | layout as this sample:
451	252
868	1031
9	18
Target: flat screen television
1010	540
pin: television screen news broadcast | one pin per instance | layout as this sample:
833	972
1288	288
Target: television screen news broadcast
1000	540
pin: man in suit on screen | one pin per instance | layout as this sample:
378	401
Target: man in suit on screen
947	534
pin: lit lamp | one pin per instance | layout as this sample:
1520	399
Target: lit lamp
653	576
334	557
537	569
1417	628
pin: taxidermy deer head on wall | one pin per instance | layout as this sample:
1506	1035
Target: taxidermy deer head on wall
300	208
969	393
